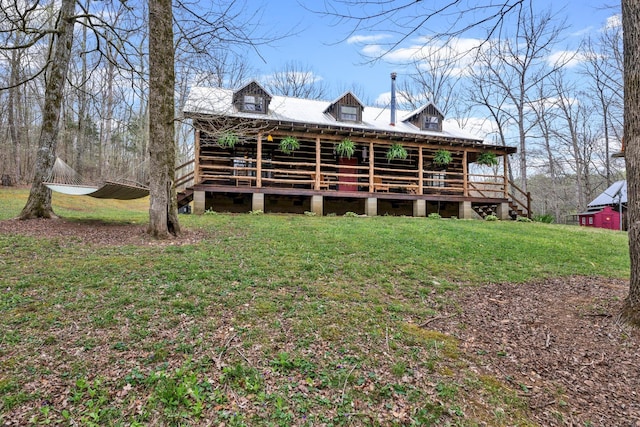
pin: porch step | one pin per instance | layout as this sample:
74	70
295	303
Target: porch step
185	197
485	210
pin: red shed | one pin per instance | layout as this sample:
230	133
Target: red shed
603	218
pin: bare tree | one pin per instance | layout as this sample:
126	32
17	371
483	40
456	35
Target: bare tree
373	15
296	80
163	208
39	202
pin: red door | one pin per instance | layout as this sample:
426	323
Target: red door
345	167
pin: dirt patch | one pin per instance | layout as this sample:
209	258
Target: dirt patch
94	232
560	342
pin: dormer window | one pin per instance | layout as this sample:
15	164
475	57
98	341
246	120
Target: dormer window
252	98
347	108
426	118
431	123
253	103
348	113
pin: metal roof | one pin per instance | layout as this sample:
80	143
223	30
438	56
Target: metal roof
615	194
218	101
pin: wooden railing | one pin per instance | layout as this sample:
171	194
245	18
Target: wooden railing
185	174
521	199
333	177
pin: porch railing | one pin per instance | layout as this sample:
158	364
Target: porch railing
244	171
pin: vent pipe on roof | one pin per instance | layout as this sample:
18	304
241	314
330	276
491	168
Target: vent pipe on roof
393	98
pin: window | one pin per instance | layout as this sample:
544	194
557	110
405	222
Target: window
590	220
252	103
348	113
438	180
431	123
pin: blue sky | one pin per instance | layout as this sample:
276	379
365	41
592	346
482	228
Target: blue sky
338	61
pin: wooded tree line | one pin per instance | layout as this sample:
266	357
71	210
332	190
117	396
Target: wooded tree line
564	115
103	128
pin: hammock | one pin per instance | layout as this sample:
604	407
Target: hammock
65	180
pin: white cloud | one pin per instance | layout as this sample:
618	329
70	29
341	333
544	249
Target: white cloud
360	39
570	58
384	99
613	22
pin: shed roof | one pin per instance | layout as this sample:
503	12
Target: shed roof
615	194
218	101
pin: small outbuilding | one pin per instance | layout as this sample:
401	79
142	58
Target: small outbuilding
608	209
603	218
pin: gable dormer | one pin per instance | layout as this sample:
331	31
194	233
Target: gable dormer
347	108
252	98
428	117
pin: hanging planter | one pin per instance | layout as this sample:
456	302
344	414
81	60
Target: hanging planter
396	151
289	144
346	148
228	140
487	159
442	158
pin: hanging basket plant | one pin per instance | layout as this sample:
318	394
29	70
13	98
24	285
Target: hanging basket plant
442	158
228	140
487	159
289	144
396	151
346	148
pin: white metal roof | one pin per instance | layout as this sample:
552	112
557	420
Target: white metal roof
218	101
615	194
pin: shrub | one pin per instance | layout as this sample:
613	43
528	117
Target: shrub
546	218
490	218
523	219
434	215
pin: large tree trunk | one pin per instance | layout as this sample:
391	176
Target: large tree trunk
39	202
631	39
163	208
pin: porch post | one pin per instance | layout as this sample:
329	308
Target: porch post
371	206
259	163
465	211
198	202
465	174
257	202
420	175
317	205
316	185
506	175
420	207
196	163
371	168
503	211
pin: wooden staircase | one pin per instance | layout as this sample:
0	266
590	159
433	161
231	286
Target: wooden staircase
185	194
519	204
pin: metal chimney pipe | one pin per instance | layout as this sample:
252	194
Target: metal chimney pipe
393	98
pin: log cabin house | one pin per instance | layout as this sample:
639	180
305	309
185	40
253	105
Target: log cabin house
241	164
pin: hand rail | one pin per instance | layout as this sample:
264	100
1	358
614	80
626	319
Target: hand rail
524	206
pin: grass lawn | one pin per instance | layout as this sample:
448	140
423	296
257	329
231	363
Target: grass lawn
268	320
